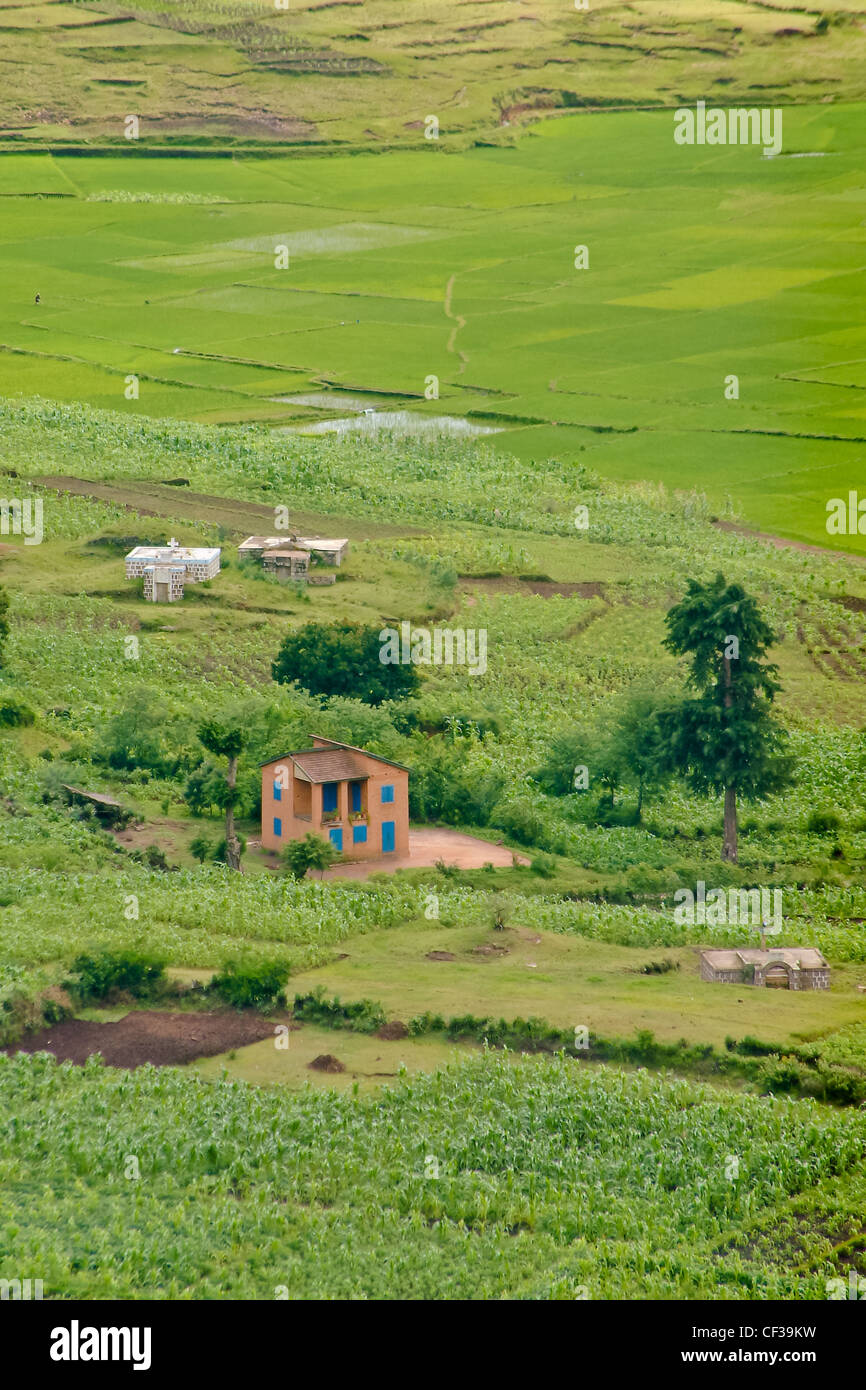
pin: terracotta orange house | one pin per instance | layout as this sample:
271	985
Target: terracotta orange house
355	799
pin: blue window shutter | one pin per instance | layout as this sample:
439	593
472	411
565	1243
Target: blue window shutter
355	789
278	792
387	793
278	826
329	796
336	834
359	834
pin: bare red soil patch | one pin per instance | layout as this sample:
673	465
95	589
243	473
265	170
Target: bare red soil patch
392	1031
440	955
542	588
326	1062
163	1039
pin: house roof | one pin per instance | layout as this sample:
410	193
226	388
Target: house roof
802	957
99	797
269	543
166	554
330	748
321	543
330	765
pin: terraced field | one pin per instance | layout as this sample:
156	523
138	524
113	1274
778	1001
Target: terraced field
369	72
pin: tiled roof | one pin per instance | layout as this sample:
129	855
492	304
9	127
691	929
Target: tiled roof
333	746
330	765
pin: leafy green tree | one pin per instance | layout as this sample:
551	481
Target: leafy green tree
342	659
205	789
226	741
626	748
726	739
312	852
4	621
637	744
596	754
134	737
200	848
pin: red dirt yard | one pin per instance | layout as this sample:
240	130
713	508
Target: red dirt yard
427	847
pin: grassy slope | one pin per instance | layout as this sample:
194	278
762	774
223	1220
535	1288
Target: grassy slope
370	74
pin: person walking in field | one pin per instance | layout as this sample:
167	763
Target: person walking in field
38	297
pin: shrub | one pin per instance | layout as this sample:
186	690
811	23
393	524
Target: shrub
823	822
659	967
15	713
522	822
312	852
201	848
363	1016
251	984
751	1047
154	858
94	977
544	864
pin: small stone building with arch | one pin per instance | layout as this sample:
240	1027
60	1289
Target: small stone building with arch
784	967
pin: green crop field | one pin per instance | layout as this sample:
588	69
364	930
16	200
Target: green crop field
159	296
438	279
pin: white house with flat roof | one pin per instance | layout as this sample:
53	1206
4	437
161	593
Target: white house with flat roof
198	562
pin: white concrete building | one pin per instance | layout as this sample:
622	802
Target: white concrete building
197	562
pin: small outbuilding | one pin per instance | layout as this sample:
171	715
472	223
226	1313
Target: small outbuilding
785	967
287	564
107	810
331	551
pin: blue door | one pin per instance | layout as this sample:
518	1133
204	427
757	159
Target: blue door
329	796
355	794
336	834
387	837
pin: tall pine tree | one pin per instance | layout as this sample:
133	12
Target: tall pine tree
726	739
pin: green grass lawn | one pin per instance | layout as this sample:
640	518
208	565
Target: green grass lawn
571	981
369	1062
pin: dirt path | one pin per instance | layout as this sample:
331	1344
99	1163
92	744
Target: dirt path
783	543
149	1036
459	322
147	498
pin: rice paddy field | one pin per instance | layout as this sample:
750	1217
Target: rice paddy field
451	275
435	278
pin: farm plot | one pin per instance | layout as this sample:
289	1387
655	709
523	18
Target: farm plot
407	268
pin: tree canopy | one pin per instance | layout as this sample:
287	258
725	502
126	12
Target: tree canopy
342	659
725	738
